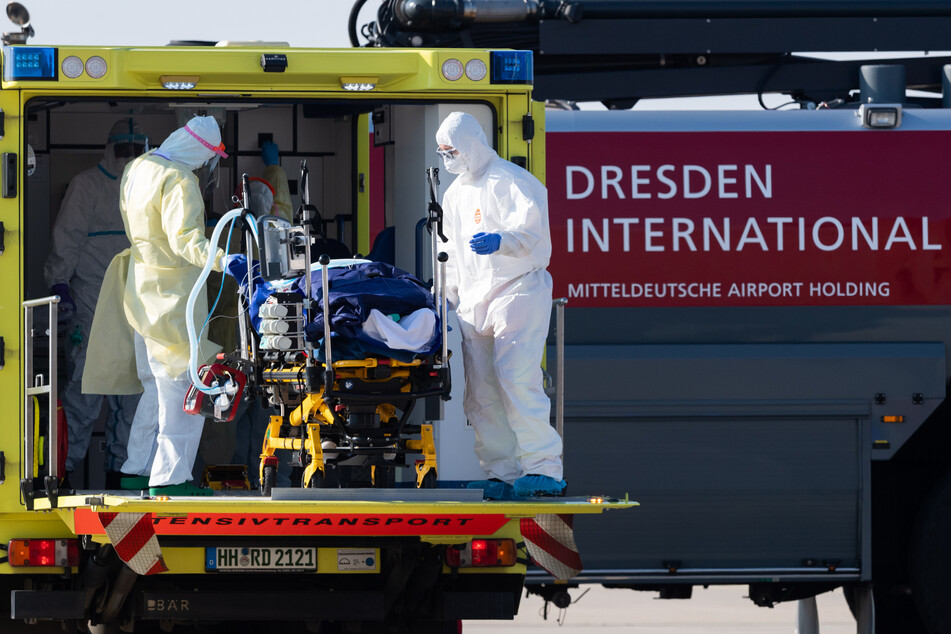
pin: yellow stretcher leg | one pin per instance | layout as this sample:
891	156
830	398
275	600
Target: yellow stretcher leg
316	451
426	445
267	449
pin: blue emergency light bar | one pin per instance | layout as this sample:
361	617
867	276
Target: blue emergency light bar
511	67
29	62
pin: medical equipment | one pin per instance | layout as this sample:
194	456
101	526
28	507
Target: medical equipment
342	401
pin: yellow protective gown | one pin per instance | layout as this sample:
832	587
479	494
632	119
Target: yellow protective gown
147	286
163	213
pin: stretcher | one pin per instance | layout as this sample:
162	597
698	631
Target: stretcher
342	409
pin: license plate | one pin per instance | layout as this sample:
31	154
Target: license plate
260	558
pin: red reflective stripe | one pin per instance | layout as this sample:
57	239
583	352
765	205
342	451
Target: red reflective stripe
135	539
549	545
553	547
158	567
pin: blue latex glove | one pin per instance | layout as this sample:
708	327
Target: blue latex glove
66	307
485	243
236	264
270	153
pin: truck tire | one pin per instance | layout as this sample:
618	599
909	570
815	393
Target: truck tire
930	558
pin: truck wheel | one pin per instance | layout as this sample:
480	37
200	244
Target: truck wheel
267	483
930	558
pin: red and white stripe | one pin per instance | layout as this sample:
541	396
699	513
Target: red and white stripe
133	537
550	540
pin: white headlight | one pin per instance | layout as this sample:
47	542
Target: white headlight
475	69
72	67
96	67
452	69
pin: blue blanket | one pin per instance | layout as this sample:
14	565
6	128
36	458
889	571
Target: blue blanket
353	292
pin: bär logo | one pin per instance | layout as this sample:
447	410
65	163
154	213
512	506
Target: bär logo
478	216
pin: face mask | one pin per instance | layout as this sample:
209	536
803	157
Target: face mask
455	164
211	164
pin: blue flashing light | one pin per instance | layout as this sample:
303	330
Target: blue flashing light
29	62
511	67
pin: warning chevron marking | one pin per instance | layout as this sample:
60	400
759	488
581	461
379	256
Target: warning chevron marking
550	540
134	540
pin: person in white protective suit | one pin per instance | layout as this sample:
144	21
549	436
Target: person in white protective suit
87	234
496	219
163	213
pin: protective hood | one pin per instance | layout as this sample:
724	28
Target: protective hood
261	195
193	144
462	132
124	131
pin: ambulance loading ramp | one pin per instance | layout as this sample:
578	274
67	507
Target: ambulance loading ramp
304	513
139	527
321	501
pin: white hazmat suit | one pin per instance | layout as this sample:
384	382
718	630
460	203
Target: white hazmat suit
87	234
163	212
503	303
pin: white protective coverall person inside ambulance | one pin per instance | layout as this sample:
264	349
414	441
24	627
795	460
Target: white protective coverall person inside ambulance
163	212
496	219
87	234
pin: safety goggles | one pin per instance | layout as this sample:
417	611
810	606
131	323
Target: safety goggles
217	149
447	153
127	150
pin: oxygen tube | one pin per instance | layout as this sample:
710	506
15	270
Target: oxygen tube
199	287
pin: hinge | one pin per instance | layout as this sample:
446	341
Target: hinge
3	352
9	185
2	129
528	127
1	238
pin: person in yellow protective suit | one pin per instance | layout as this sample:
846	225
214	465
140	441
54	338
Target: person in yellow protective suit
87	234
496	219
163	213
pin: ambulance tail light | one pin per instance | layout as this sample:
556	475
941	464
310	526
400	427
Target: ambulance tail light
53	553
482	552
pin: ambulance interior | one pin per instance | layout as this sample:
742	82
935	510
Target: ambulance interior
366	163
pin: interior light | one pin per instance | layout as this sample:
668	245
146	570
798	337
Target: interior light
880	116
452	69
96	67
359	84
476	69
179	82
